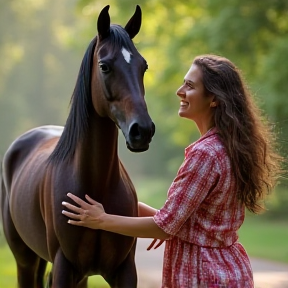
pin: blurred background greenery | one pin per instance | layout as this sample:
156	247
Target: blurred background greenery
42	44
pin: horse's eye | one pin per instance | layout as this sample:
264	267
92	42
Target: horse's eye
104	67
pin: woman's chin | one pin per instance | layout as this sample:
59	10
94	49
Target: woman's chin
182	113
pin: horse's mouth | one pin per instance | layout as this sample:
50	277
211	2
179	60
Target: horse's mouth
137	150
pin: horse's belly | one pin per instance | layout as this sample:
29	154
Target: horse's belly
32	231
28	221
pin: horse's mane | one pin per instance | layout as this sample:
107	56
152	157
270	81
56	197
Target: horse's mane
119	38
81	100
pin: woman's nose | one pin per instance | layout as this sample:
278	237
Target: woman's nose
180	92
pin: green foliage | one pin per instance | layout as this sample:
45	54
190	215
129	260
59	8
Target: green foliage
277	204
36	80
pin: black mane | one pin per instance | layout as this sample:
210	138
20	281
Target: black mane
81	100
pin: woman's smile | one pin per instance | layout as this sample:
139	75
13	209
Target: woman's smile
183	104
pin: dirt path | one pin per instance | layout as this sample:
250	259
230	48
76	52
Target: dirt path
267	274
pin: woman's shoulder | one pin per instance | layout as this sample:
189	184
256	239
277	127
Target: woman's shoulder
208	144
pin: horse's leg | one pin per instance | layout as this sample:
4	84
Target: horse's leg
126	274
27	270
63	273
27	261
83	283
41	273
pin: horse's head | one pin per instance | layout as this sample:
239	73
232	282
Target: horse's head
117	80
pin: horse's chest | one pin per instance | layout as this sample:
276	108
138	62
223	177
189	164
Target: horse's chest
98	251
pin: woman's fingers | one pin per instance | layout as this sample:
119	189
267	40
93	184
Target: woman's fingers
81	202
72	207
159	244
89	199
77	200
72	215
153	243
76	223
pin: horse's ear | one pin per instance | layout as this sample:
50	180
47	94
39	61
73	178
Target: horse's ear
103	23
134	24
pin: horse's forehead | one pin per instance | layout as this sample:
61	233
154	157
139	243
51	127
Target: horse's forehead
121	51
126	54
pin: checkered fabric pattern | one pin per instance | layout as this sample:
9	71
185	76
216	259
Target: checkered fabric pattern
202	214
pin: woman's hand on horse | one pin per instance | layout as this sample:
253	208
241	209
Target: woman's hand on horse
88	214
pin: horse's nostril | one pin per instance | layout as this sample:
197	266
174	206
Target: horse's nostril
135	132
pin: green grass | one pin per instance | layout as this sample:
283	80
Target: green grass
265	239
7	268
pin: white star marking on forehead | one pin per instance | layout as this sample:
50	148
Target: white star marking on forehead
126	54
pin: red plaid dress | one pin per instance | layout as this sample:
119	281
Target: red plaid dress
202	214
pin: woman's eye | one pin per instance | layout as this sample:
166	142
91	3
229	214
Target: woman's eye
189	85
104	67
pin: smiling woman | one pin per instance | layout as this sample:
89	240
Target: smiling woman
231	166
195	104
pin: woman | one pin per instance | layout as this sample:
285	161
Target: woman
231	166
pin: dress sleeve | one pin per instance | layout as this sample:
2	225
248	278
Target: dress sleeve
195	179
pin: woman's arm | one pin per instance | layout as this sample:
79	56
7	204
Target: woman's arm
92	215
145	210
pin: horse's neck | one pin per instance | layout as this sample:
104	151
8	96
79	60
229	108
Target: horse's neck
97	156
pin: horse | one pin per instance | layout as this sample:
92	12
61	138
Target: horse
46	162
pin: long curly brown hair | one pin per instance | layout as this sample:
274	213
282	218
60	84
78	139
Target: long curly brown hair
248	138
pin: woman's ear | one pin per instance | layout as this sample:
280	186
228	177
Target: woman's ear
213	102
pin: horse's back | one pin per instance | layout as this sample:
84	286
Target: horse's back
26	145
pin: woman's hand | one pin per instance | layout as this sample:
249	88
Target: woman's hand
87	215
154	242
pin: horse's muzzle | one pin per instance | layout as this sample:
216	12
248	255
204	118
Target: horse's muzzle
139	137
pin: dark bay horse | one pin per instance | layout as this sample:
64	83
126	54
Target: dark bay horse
43	164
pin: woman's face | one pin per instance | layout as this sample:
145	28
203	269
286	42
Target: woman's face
194	104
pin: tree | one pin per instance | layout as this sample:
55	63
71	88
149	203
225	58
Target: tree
36	80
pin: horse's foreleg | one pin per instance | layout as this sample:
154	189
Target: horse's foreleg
40	273
126	274
63	272
83	283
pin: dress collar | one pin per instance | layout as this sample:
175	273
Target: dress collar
209	133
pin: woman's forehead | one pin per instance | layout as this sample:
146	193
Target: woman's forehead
194	74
